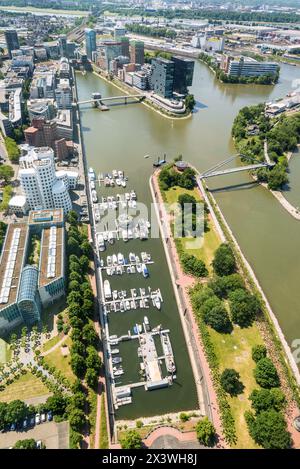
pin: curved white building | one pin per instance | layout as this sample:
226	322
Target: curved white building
43	187
61	197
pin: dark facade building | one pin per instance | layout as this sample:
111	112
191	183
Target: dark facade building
12	41
183	74
162	78
137	52
63	47
125	46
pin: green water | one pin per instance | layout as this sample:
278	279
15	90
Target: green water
269	237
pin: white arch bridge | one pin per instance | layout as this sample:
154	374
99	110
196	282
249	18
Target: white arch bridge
217	171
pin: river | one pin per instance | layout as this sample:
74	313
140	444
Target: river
268	236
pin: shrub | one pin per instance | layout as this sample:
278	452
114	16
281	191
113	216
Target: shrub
258	352
224	261
230	382
206	432
269	429
131	440
266	374
265	399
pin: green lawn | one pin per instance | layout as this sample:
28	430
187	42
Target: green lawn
61	362
50	343
103	443
211	238
5	352
25	387
7	192
234	351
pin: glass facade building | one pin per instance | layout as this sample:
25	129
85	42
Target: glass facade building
162	78
90	42
29	302
183	74
12	41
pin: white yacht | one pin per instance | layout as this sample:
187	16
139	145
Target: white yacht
120	258
101	243
107	289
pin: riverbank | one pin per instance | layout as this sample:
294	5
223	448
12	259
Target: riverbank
45	11
128	90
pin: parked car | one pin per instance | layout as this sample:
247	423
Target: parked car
25	424
39	444
43	418
12	427
32	421
49	416
37	419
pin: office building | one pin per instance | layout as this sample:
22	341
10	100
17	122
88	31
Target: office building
39	182
26	289
90	42
63	94
183	74
250	68
119	32
108	51
137	52
61	149
63	47
41	108
125	46
140	80
162	78
12	41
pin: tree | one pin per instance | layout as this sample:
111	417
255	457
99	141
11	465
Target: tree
57	404
87	307
86	248
131	440
190	102
72	217
206	432
266	374
222	286
230	382
186	179
258	352
75	276
244	307
218	319
224	261
77	419
93	359
78	400
84	262
265	399
2	415
192	265
269	429
73	246
78	364
6	172
89	335
29	443
74	286
91	377
15	411
77	346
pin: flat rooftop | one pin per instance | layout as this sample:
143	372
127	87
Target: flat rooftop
11	263
41	216
51	255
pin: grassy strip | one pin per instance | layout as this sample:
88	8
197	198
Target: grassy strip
103	443
265	316
7	192
92	400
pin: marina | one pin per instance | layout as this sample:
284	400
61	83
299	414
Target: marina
152	374
155	370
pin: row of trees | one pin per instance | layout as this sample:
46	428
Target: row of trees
85	361
151	31
12	149
266	422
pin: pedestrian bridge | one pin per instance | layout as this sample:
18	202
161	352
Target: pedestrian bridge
217	171
97	99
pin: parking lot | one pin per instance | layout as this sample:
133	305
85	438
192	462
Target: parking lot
53	435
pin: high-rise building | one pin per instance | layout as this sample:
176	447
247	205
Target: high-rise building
39	182
248	67
119	32
183	74
108	51
63	47
90	42
12	41
162	78
63	94
125	46
137	52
